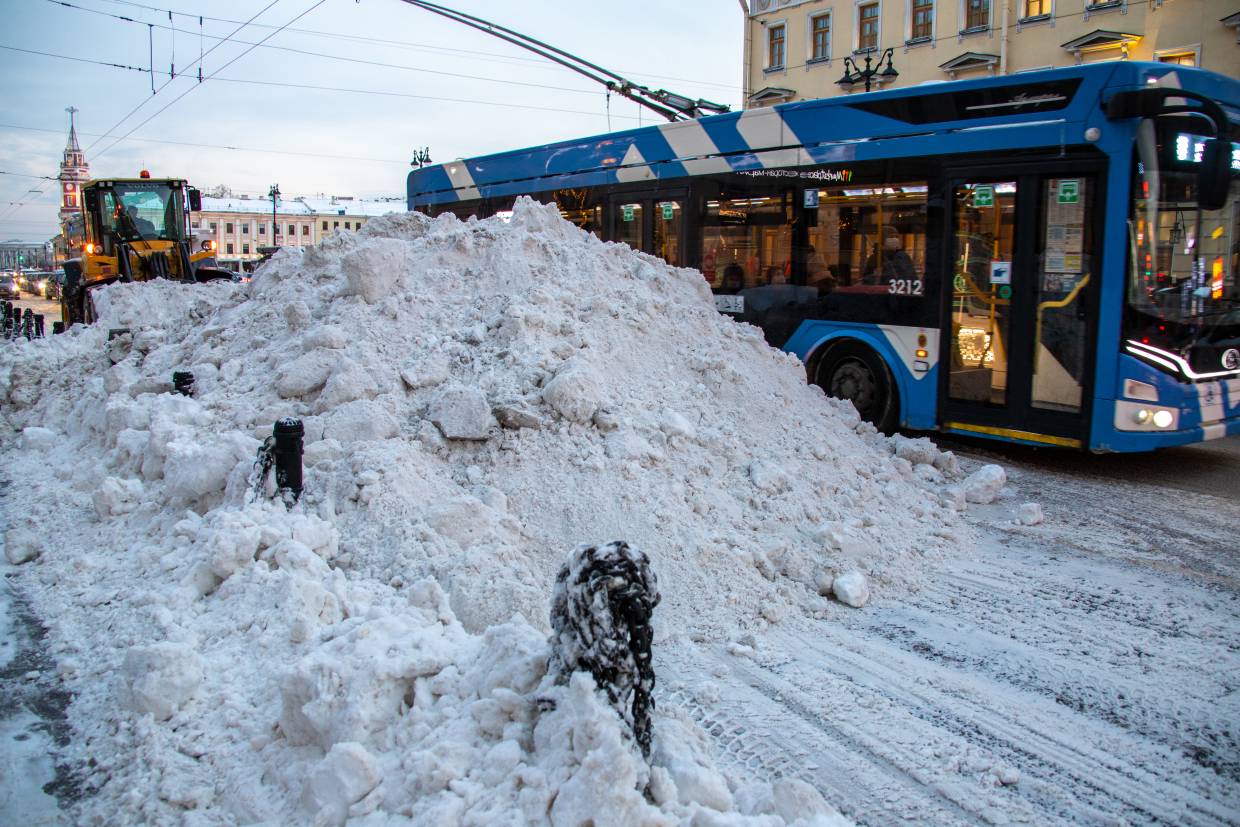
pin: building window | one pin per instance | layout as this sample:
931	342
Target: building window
1037	8
245	248
346	226
228	228
775	46
820	37
324	225
230	248
867	27
335	225
923	20
305	229
1180	57
262	229
245	228
292	229
976	14
213	226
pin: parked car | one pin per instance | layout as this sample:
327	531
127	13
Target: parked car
9	288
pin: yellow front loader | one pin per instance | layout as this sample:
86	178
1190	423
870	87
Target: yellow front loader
134	229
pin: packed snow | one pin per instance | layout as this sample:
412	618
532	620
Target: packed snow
479	399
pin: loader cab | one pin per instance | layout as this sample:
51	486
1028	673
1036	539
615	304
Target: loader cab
142	212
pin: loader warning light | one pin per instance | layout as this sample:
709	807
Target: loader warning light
146	173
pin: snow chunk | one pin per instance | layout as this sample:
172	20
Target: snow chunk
1030	514
920	451
768	476
984	484
37	439
363	420
305	374
159	679
116	496
22	545
851	589
343	777
373	271
462	412
574	393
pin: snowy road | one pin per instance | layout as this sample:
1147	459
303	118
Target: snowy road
1082	671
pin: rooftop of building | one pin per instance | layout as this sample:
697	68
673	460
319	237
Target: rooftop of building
304	206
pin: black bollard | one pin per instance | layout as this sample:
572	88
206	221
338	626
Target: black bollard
28	324
57	328
601	608
38	325
183	382
288	435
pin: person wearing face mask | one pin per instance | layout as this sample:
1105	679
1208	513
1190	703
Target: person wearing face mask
895	263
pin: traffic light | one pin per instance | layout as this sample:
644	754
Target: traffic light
21	258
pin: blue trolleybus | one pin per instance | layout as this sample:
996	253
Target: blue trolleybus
1051	258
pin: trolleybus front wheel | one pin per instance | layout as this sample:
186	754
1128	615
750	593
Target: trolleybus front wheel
854	372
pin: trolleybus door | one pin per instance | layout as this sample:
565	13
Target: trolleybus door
651	222
1018	330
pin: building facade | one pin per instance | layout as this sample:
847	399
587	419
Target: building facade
25	255
796	49
243	227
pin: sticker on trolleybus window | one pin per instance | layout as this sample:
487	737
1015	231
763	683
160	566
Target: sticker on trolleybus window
730	304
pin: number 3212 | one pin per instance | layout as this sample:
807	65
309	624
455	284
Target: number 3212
905	287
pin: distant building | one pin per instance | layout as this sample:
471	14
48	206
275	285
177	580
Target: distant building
243	226
795	49
25	255
74	172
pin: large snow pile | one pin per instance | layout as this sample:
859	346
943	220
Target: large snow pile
478	399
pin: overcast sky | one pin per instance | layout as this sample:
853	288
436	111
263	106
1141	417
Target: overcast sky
409	79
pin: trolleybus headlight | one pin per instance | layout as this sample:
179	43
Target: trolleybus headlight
208	245
1163	419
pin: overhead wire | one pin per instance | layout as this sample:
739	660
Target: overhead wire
410	45
164	108
144	102
316	87
222	146
359	61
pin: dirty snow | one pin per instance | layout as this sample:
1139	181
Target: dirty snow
478	398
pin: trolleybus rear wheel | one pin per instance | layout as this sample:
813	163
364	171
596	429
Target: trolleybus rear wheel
854	372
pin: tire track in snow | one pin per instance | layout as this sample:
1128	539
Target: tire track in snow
919	711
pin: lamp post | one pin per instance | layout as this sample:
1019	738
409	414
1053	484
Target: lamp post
854	75
421	157
274	194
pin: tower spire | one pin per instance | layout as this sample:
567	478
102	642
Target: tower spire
72	146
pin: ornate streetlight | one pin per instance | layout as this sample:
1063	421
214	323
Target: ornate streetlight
854	75
274	194
421	157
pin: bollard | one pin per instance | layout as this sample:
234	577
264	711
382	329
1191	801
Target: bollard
600	623
288	435
58	328
28	324
38	325
183	382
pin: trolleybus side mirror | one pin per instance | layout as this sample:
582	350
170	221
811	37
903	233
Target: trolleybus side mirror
1214	176
195	200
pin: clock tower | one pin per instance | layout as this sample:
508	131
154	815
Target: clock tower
74	172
